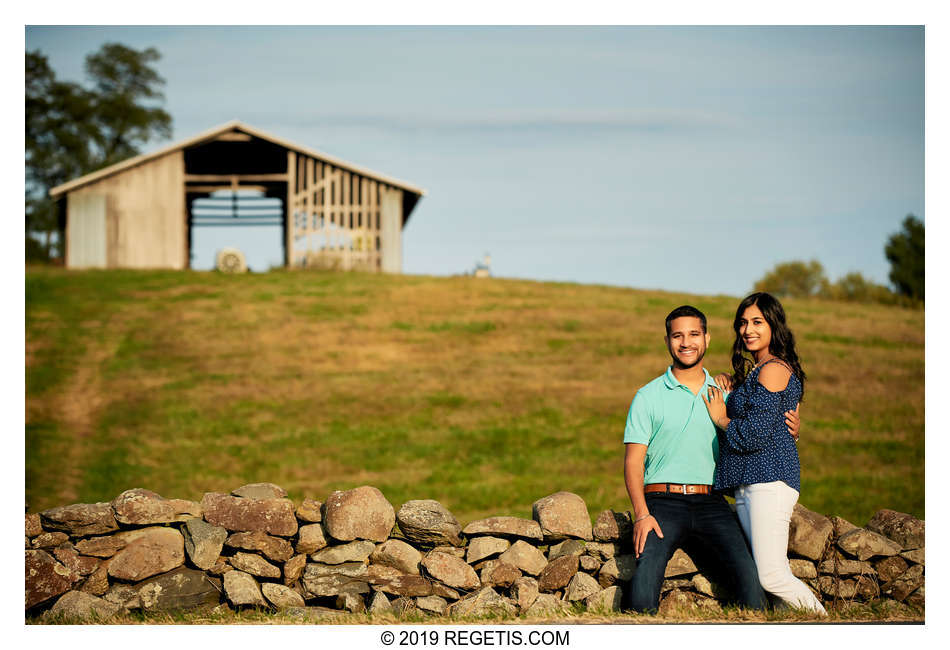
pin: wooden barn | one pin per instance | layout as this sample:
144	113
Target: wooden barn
140	213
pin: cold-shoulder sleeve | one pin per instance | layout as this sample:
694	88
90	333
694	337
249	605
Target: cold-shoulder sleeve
752	429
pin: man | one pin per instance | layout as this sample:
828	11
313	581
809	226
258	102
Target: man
669	465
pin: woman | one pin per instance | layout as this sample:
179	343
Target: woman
758	460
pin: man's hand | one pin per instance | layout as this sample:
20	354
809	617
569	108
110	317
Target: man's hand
724	382
641	530
793	422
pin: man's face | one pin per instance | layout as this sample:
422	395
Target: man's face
687	341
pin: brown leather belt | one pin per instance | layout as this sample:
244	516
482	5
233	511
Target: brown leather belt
677	488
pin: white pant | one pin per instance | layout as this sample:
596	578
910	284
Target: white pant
765	510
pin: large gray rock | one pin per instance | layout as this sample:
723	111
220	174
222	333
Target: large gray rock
486	601
524	591
239	514
481	548
450	570
432	604
123	595
254	565
403	585
310	511
310	539
48	540
293	569
379	604
906	530
397	554
905	584
180	589
846	567
428	523
680	564
81	564
360	513
97	583
803	568
525	557
602	550
562	515
281	596
865	544
80	519
79	606
45	578
605	600
509	527
351	602
358	551
581	587
140	507
558	573
203	542
890	567
32	525
260	491
103	547
589	564
348	569
242	589
273	548
618	569
498	574
147	552
333	585
808	533
567	547
613	527
547	605
841	526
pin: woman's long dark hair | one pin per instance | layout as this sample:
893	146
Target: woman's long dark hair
782	344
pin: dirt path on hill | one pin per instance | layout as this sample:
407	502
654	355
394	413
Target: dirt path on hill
76	408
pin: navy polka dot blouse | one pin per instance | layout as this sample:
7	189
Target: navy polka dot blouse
757	447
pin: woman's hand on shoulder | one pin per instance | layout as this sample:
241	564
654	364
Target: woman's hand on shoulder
775	376
724	382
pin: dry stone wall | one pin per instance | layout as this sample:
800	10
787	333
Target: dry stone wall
355	552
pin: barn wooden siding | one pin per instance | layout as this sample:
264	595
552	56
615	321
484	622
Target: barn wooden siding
341	219
143	213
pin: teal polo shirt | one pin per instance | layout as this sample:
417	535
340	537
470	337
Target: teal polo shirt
681	439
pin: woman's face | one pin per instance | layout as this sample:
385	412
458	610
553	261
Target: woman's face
754	330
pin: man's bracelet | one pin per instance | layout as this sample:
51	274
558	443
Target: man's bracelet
639	519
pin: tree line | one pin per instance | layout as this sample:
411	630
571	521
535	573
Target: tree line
74	129
904	251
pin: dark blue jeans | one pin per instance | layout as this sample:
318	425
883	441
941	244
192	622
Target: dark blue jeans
701	521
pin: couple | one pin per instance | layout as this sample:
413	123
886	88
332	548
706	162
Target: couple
683	454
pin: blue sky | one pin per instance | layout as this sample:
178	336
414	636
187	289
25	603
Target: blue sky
682	158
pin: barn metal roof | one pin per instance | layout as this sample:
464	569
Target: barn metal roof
211	134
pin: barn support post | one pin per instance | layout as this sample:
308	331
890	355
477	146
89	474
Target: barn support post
291	208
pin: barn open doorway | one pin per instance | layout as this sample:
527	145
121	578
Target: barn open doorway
245	219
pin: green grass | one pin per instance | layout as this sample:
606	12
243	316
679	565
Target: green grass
483	394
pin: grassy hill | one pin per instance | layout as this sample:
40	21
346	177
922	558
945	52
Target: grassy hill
483	394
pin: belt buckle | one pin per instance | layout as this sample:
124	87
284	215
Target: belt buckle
684	490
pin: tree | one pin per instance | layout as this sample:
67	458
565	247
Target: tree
72	130
795	280
854	287
905	251
123	85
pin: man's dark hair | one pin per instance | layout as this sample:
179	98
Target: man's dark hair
685	310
